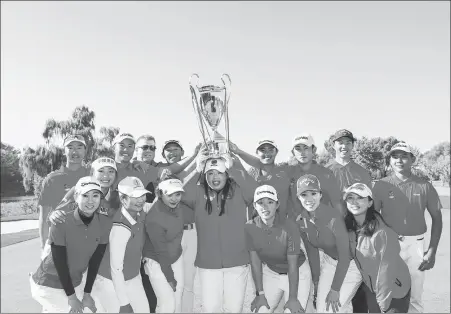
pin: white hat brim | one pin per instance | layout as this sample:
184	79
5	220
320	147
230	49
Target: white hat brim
139	193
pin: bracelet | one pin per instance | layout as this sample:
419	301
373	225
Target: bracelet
257	293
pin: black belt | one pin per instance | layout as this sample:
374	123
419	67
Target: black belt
188	226
402	238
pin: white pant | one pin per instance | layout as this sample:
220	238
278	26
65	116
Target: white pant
412	251
223	290
168	301
277	286
351	283
104	295
189	246
53	300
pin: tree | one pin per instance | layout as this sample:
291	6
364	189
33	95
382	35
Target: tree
436	162
324	157
11	179
35	164
103	145
80	122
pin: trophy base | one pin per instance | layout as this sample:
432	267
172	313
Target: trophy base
218	146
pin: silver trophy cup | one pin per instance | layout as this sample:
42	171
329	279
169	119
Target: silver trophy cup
211	104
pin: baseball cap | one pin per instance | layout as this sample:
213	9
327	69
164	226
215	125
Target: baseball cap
170	142
217	164
171	186
103	162
120	137
270	142
74	138
308	182
343	133
86	184
360	189
305	139
403	146
132	186
265	191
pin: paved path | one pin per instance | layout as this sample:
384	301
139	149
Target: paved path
21	258
17	226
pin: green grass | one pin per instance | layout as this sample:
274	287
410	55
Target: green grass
26	207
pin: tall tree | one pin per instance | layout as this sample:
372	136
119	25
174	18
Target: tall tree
80	122
103	145
11	179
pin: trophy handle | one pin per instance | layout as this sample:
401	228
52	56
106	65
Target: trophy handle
195	102
191	79
227	82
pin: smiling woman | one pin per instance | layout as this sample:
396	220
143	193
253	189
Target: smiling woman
77	244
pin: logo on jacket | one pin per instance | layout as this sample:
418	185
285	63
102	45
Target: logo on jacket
398	283
391	194
103	211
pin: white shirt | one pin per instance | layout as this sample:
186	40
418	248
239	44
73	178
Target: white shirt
119	236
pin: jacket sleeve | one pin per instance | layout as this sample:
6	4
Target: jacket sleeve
386	253
344	252
157	236
246	183
59	254
189	198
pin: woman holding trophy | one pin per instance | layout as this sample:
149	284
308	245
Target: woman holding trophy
219	202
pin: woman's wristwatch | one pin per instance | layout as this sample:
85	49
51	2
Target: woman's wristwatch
261	292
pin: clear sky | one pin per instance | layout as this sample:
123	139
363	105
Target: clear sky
375	68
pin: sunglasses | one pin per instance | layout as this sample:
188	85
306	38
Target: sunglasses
146	147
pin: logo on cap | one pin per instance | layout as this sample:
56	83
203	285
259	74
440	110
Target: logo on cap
307	181
87	183
265	192
302	138
359	187
137	184
214	162
107	160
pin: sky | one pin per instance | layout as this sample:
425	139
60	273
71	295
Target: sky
375	68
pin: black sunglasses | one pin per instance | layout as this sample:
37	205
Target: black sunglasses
146	147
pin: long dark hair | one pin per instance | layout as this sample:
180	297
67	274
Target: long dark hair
225	192
370	224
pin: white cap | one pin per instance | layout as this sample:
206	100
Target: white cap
132	186
265	191
103	162
171	186
403	146
217	164
266	141
74	138
120	137
86	184
305	139
360	189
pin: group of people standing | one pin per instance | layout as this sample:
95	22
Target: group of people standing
130	235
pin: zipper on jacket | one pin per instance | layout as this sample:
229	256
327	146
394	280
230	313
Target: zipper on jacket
358	262
219	232
371	283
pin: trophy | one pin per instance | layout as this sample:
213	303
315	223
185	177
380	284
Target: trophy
210	104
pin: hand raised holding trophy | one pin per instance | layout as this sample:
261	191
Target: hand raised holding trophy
210	104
